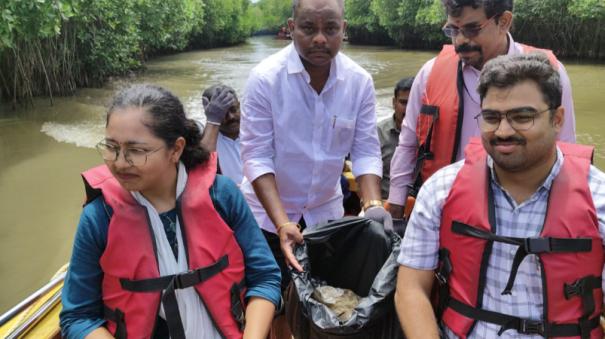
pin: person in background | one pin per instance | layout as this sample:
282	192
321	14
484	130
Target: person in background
515	232
221	132
443	100
304	109
164	247
388	131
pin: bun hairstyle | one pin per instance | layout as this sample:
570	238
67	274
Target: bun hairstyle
167	119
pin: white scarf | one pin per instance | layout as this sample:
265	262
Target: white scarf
196	321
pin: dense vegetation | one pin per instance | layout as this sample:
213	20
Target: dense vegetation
51	47
572	28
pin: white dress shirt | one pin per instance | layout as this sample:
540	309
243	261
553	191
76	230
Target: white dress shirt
303	137
229	160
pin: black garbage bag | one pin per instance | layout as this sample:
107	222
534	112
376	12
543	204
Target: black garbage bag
352	253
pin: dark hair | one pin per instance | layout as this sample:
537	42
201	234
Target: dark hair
404	84
215	89
296	4
168	119
491	7
506	71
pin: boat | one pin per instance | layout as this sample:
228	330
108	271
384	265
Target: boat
37	316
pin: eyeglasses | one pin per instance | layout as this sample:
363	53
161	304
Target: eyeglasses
520	119
134	156
469	32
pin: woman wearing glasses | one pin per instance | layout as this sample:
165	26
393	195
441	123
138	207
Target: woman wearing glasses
164	246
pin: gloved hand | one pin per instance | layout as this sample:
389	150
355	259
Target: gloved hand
378	213
216	109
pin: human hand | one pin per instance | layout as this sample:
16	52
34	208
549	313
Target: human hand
289	235
216	109
378	213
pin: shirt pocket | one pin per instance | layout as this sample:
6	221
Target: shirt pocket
340	135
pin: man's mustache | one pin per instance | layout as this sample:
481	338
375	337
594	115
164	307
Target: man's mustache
467	48
320	50
509	140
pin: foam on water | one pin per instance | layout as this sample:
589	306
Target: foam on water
83	134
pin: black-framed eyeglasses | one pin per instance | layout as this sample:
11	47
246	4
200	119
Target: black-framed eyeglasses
520	119
469	32
133	155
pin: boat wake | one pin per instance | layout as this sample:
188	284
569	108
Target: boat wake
84	134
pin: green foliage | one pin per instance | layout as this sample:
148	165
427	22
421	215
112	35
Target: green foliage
32	19
225	23
569	27
52	46
271	15
108	39
362	26
166	25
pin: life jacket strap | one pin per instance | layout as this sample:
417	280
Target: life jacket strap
521	325
237	305
117	316
536	245
442	274
169	284
583	288
427	118
180	281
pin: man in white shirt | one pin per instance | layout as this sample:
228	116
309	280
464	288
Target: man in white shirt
304	109
221	133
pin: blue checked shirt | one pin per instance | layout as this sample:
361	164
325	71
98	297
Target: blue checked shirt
421	243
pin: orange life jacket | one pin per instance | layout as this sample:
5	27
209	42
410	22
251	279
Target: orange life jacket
569	249
439	122
132	286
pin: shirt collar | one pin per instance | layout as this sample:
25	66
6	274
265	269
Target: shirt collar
295	65
554	171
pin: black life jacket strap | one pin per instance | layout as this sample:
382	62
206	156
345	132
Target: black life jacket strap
169	284
526	246
237	305
117	316
583	288
522	326
181	280
442	274
424	149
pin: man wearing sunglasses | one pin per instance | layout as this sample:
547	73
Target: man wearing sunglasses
514	233
444	100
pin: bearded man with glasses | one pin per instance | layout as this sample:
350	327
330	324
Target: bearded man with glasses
514	232
443	101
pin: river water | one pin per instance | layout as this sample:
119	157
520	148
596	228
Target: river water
44	148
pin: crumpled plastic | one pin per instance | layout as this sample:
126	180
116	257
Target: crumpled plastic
341	301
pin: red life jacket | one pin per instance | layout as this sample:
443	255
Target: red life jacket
439	123
569	249
132	286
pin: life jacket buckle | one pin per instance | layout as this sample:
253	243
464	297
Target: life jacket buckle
441	278
531	327
185	279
